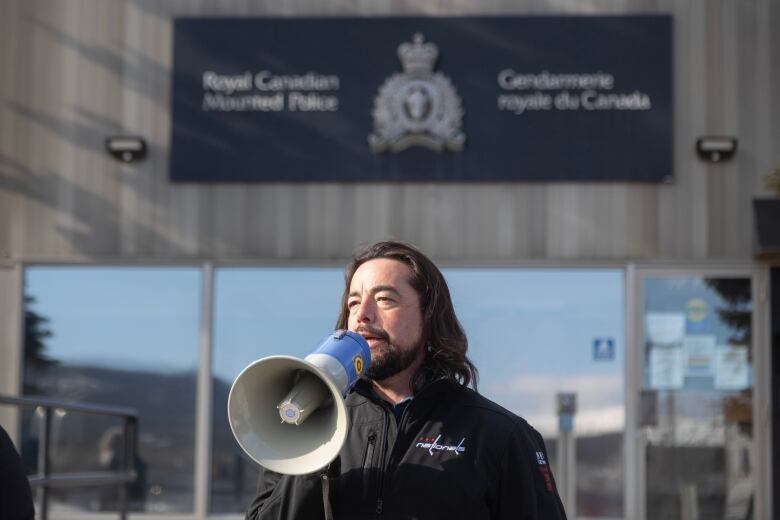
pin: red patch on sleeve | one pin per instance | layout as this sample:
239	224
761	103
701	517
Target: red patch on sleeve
545	471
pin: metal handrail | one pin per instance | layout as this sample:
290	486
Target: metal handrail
45	479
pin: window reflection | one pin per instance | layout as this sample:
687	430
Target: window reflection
697	400
258	313
116	336
531	334
536	332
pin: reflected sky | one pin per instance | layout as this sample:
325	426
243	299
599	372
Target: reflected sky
531	334
531	331
136	318
269	311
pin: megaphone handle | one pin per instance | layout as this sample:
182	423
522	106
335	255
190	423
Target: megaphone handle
326	494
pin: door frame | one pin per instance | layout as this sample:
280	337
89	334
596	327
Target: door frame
634	440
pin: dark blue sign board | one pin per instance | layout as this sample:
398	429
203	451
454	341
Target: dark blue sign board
422	99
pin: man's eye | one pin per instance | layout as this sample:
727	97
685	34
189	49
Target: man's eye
352	304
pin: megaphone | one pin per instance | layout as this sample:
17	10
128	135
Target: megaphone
288	413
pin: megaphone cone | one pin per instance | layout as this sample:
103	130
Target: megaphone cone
288	413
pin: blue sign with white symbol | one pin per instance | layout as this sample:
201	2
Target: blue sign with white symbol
603	349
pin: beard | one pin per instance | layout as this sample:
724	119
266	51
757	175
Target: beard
387	359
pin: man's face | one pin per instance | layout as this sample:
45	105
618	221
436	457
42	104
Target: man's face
385	309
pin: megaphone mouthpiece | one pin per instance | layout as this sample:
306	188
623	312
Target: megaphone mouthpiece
305	397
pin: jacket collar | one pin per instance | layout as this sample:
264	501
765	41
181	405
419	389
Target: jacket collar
429	392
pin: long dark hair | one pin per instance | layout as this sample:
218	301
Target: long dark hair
442	333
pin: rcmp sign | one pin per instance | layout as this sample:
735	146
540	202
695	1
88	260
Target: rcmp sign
542	98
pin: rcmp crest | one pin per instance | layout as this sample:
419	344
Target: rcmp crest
418	107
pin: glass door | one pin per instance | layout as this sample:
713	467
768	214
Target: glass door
694	382
549	346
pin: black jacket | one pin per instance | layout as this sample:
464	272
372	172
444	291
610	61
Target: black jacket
454	454
16	501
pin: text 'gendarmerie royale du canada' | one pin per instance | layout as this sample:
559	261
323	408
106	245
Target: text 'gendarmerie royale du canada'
564	91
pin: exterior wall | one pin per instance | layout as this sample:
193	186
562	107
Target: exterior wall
76	71
79	70
11	327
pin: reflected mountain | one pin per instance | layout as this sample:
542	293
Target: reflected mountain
166	407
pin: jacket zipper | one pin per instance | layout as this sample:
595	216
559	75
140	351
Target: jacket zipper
370	449
382	467
386	465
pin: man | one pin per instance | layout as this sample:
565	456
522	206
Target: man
421	444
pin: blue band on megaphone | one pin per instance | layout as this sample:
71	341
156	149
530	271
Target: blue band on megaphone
350	349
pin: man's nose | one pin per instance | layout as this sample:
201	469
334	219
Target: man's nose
366	312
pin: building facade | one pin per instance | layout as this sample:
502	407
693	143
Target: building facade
112	273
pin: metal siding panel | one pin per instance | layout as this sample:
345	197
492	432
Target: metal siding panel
745	104
91	224
505	218
765	146
35	143
413	204
228	228
613	220
722	198
11	222
480	234
537	220
11	348
114	60
263	218
773	82
181	225
370	216
696	197
449	207
332	218
737	209
674	212
283	213
523	221
563	222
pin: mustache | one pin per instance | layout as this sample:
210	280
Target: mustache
368	330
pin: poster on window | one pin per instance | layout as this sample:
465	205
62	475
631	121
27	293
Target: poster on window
666	367
732	370
665	328
699	353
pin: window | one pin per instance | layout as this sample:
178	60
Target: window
534	333
258	313
697	396
130	336
118	336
